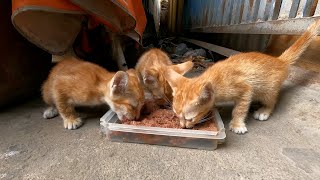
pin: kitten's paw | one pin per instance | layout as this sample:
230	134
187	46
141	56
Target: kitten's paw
72	124
50	112
261	114
239	129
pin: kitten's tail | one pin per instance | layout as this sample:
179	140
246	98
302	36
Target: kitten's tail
295	51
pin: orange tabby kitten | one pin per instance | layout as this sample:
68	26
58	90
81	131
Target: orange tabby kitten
73	82
150	68
241	78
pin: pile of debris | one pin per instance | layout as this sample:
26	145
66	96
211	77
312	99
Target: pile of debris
180	52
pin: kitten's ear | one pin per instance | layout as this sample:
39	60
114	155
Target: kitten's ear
119	83
206	93
172	77
183	67
148	78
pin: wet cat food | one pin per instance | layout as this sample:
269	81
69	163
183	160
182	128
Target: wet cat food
166	118
171	135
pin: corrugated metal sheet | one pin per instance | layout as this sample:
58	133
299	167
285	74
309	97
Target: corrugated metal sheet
249	17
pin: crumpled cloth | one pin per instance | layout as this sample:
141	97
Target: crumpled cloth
53	25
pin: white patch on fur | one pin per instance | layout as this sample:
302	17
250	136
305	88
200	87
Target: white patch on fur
72	125
50	112
148	95
121	112
238	130
261	115
189	116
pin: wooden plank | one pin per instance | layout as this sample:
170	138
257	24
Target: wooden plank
218	49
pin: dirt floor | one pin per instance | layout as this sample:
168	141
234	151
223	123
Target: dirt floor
287	146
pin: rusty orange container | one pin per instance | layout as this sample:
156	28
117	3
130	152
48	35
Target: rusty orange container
53	25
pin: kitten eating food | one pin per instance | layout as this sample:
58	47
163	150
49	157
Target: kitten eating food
73	82
150	68
241	78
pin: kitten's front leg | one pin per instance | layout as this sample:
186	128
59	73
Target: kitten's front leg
239	113
67	112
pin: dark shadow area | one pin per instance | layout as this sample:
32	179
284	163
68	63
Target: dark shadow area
23	66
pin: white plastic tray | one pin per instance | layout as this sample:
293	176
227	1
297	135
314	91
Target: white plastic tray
187	138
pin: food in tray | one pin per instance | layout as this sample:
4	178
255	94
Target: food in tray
165	118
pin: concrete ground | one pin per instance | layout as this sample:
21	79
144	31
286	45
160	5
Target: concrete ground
287	146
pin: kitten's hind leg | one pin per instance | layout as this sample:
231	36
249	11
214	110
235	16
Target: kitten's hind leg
50	112
239	113
68	114
268	101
